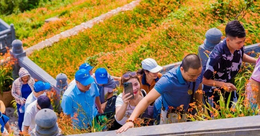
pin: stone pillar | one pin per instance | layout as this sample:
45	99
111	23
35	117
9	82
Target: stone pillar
61	86
62	83
17	52
46	123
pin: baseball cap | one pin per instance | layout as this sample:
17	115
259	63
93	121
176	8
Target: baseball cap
86	66
41	86
151	65
44	101
101	76
83	76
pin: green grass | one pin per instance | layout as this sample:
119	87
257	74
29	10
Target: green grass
31	28
165	31
114	34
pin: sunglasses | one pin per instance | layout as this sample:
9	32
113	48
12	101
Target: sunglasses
128	75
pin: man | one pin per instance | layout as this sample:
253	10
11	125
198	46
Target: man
85	66
39	89
93	86
78	102
106	84
29	117
175	88
225	61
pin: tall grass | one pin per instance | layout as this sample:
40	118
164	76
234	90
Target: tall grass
6	73
223	110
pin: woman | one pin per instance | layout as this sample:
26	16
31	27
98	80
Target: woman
149	74
125	104
21	89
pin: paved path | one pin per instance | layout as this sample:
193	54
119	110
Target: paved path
13	120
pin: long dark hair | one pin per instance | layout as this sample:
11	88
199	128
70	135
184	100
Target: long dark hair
142	71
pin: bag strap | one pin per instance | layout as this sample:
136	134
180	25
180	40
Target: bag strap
193	91
143	92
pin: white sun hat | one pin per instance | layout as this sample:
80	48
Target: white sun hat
151	65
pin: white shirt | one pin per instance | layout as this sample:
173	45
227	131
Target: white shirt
128	112
31	98
29	116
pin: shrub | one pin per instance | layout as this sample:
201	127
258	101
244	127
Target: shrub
6	74
15	6
230	9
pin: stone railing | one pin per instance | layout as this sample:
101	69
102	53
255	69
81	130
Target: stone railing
234	126
251	50
7	35
241	126
59	84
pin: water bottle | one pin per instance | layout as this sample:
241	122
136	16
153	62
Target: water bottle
21	109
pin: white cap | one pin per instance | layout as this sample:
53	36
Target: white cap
151	65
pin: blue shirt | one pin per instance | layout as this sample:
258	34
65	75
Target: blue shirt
80	105
26	90
3	120
174	89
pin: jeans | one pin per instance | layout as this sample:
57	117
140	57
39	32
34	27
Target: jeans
20	117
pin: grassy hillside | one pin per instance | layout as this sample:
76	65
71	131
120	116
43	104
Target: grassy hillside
31	28
165	30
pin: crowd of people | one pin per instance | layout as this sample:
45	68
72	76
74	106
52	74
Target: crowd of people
147	94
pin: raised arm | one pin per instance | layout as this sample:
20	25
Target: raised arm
139	109
122	102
